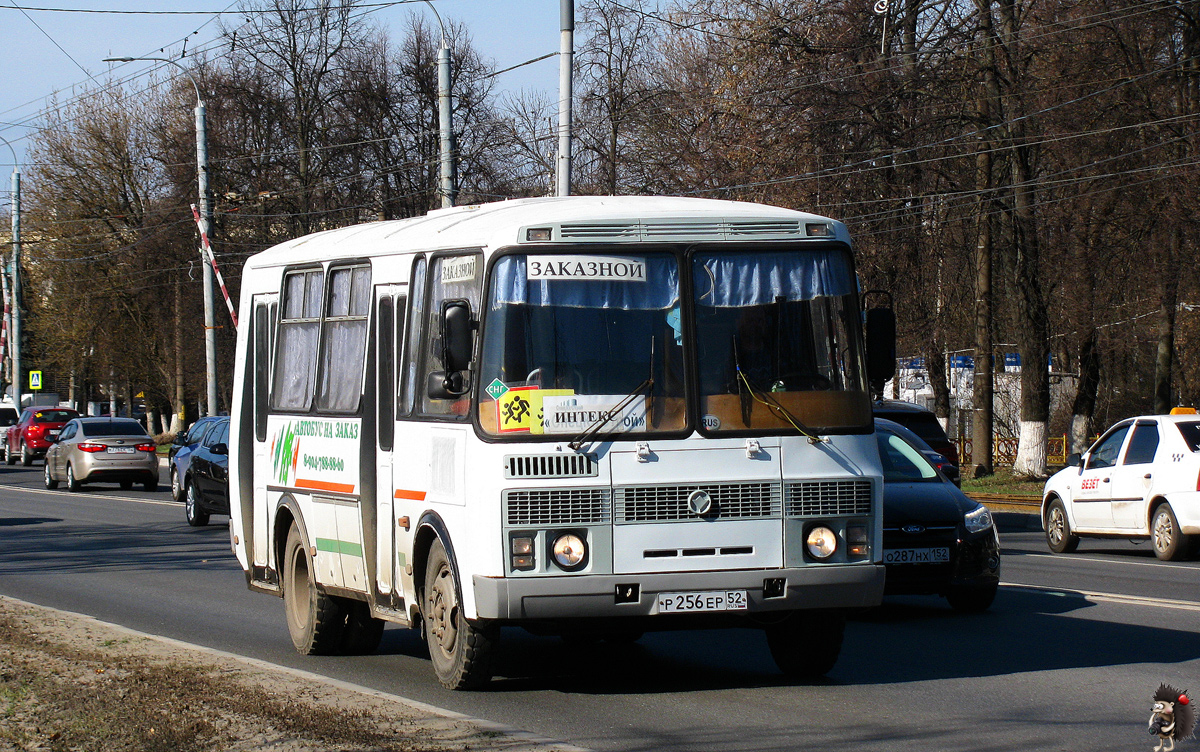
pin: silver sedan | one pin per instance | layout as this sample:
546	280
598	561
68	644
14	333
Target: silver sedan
116	450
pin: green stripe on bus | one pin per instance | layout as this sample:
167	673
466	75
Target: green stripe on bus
332	546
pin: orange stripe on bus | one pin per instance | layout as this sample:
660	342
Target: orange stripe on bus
321	485
414	495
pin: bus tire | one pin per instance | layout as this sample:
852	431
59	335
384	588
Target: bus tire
363	631
316	621
806	644
460	650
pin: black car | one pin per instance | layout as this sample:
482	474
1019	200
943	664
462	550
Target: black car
920	421
936	458
182	446
936	541
205	483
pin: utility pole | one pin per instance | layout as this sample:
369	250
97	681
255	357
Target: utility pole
566	53
16	278
210	332
447	165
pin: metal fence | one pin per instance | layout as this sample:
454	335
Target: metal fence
1004	450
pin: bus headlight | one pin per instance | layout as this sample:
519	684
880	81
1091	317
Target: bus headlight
569	550
821	542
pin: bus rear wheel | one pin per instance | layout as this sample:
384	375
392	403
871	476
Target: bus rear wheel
806	644
460	650
316	621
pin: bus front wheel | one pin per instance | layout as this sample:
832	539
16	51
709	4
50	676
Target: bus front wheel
461	651
806	644
315	620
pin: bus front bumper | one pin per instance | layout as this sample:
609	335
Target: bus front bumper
832	586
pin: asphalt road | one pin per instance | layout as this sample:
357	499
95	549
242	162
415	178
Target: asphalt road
1048	668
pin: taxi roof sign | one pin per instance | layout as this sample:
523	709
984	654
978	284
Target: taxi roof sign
1183	411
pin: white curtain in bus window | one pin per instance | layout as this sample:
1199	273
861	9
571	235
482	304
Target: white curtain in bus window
344	343
296	358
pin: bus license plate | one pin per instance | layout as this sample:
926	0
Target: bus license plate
120	450
707	600
916	556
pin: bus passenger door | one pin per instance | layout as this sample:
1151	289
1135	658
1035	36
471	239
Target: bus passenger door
266	310
389	337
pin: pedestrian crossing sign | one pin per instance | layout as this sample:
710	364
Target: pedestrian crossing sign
35	380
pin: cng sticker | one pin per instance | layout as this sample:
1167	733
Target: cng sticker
496	389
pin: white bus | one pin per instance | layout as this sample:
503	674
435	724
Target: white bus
586	416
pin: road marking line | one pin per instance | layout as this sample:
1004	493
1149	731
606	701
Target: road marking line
1078	559
513	732
1098	597
98	496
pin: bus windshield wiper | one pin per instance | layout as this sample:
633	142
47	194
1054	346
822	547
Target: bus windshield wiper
767	400
595	426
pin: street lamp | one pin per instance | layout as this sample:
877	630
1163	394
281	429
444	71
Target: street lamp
15	332
210	332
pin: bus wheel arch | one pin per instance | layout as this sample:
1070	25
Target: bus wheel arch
460	649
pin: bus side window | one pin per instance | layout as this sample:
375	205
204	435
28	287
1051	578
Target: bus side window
296	353
262	350
344	339
412	342
398	385
455	278
386	360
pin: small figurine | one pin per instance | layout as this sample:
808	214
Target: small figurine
1172	717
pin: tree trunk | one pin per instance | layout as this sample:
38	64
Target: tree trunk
1169	285
1085	396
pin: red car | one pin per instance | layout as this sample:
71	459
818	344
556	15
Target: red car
30	437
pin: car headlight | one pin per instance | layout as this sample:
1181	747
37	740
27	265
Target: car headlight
978	520
821	542
569	550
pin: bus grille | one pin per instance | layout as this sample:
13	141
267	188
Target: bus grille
549	466
825	498
556	506
647	231
730	501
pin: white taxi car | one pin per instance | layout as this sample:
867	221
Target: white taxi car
1140	479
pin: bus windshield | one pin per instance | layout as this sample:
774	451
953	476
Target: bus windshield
573	342
777	341
573	339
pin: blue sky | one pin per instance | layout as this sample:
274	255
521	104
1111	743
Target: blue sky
33	67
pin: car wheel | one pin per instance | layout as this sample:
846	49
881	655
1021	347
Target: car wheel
51	483
460	650
72	483
972	600
196	517
806	644
316	621
1058	529
26	457
176	490
1170	544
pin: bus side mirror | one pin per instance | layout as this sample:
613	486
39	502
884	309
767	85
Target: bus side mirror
881	347
457	333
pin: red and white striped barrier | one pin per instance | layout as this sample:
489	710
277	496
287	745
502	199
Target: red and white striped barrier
212	259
